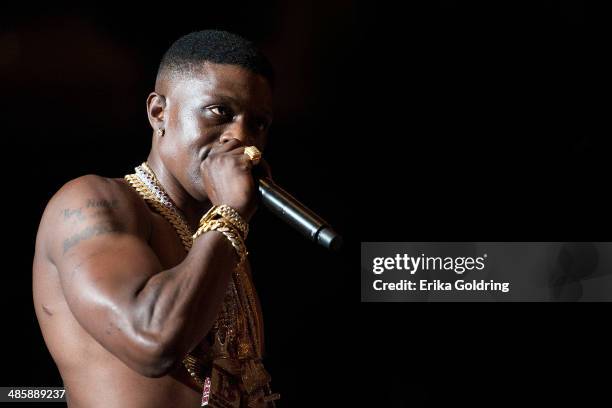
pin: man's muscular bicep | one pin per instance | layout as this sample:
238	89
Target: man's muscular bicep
99	247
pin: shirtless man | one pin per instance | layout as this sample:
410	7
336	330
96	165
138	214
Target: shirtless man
119	300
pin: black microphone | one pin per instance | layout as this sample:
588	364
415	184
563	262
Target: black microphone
298	215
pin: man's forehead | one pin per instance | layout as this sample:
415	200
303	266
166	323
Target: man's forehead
222	80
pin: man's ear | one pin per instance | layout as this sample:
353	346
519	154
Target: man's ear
156	107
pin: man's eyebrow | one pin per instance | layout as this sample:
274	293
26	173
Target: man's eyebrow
222	97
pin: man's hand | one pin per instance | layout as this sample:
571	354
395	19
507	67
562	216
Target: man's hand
226	172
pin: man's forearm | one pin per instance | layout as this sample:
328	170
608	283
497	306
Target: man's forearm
178	306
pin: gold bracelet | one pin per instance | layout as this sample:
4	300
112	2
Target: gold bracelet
230	232
234	217
228	213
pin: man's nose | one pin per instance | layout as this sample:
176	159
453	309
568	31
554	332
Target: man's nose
238	130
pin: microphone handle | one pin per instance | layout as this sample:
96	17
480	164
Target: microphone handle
298	215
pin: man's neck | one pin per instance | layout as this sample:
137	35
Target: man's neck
191	208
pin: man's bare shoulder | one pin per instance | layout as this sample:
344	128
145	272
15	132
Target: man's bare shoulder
99	192
89	202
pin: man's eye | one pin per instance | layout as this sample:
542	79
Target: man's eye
219	110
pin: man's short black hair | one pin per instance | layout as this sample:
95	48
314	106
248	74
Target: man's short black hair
219	47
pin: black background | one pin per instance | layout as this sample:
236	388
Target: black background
450	121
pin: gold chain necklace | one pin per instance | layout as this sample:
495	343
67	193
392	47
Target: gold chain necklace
148	186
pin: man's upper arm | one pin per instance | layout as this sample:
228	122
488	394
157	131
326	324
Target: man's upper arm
95	234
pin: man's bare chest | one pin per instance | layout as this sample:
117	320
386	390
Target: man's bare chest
165	242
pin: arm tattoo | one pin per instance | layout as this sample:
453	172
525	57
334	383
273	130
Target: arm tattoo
97	208
94	203
90	231
73	212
